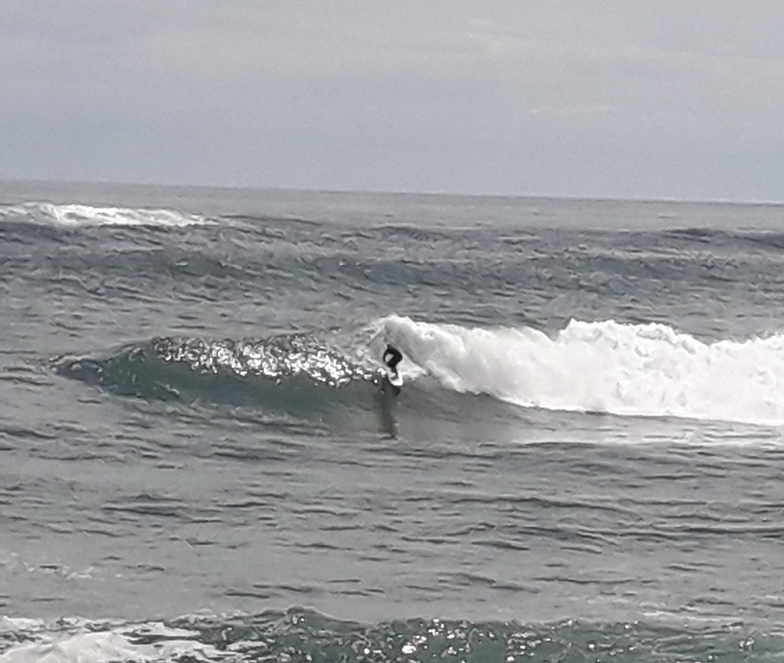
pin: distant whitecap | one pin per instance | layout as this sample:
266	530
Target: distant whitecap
77	216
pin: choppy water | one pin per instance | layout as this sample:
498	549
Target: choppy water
201	462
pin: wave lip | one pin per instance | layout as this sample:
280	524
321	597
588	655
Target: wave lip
273	359
299	373
85	216
624	369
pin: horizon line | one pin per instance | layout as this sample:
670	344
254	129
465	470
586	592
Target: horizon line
402	192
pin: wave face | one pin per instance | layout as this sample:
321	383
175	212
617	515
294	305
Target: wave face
297	374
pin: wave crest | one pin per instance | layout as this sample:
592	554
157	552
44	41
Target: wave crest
273	359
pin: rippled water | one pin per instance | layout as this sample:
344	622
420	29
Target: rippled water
202	460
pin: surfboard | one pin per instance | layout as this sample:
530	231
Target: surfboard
392	383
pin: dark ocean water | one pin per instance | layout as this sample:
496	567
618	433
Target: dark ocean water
202	461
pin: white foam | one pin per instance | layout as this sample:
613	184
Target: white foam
642	370
81	648
76	216
83	642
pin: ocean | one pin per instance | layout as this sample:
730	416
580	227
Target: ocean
203	458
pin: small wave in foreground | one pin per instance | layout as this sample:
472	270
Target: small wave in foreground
303	635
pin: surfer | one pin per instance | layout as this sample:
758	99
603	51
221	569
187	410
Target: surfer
392	357
390	388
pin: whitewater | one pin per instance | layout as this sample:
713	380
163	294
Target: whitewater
643	370
202	459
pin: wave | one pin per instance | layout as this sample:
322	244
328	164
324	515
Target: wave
648	370
83	216
299	635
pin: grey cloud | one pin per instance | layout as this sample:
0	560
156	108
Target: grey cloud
557	97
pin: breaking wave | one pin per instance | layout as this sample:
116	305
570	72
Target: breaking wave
81	216
622	369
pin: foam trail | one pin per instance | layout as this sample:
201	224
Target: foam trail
78	216
642	370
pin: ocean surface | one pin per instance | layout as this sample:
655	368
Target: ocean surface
201	458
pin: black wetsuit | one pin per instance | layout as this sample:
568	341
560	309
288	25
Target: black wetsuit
392	357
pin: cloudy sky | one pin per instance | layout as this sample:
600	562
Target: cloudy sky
679	99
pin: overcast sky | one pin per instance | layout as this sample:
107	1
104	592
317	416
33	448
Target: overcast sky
674	99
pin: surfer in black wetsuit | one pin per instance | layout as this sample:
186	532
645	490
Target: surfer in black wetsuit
390	388
392	357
